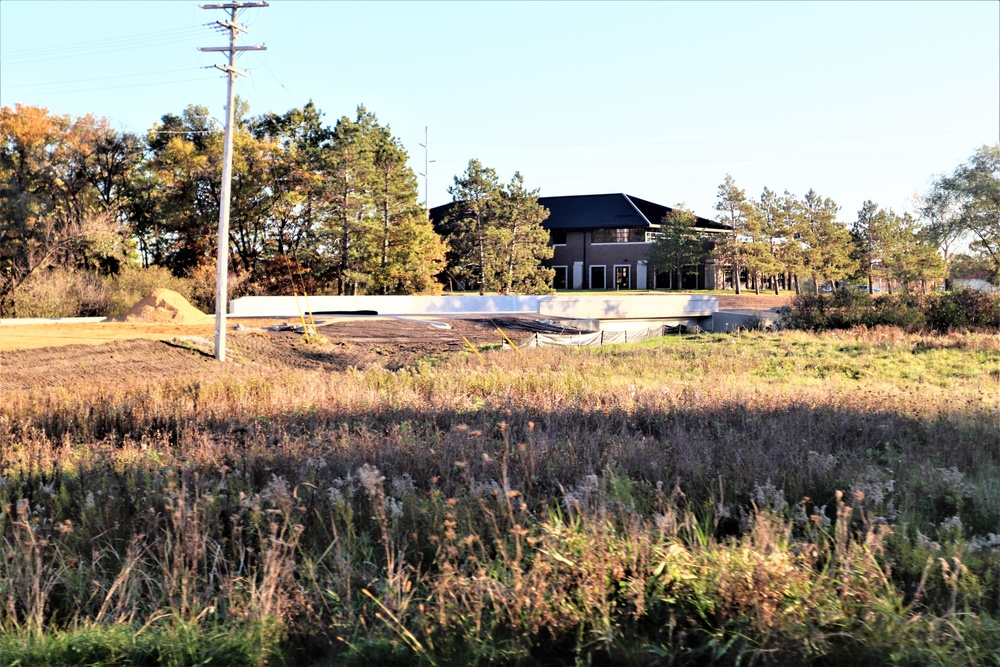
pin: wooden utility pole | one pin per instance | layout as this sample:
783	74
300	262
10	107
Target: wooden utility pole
221	289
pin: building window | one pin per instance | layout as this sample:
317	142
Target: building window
597	277
557	236
559	279
622	235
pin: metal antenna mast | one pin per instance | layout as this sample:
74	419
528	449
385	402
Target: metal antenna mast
427	172
221	290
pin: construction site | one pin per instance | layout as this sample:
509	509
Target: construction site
163	335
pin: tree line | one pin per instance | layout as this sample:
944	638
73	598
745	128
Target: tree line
776	239
315	208
335	209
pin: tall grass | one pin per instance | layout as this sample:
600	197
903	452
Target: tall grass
776	499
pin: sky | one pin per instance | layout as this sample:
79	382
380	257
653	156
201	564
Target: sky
660	100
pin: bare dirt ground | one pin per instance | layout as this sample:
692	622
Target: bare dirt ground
30	336
182	350
51	355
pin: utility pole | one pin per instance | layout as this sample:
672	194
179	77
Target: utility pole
426	174
221	289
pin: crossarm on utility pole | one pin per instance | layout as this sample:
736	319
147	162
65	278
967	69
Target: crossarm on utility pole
236	5
227	49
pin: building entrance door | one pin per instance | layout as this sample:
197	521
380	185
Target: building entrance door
597	277
623	277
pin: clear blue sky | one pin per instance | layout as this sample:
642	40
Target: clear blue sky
661	100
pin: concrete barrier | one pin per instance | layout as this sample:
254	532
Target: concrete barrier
629	306
289	306
596	307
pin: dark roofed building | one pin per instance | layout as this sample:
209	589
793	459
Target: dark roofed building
602	241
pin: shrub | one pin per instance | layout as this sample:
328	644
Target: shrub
132	284
909	311
967	308
202	279
60	292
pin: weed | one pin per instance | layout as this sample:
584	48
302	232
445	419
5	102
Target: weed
688	499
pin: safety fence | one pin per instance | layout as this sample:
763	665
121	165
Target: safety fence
617	337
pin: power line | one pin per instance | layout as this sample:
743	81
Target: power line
131	85
766	159
271	72
93	52
101	43
103	78
706	143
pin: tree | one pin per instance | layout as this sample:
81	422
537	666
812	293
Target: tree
300	210
181	180
496	234
349	169
59	194
973	267
969	200
732	203
942	228
877	235
826	242
764	234
894	247
910	255
782	221
410	251
376	234
789	250
676	244
474	195
519	243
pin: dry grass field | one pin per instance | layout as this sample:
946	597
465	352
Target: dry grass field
792	498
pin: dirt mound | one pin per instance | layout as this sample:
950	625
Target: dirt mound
165	305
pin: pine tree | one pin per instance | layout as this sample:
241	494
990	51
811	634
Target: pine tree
410	252
378	234
475	195
912	255
826	242
777	231
731	202
791	251
762	220
348	162
299	208
184	166
519	243
871	237
676	244
496	234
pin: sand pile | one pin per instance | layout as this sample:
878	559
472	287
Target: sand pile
165	305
